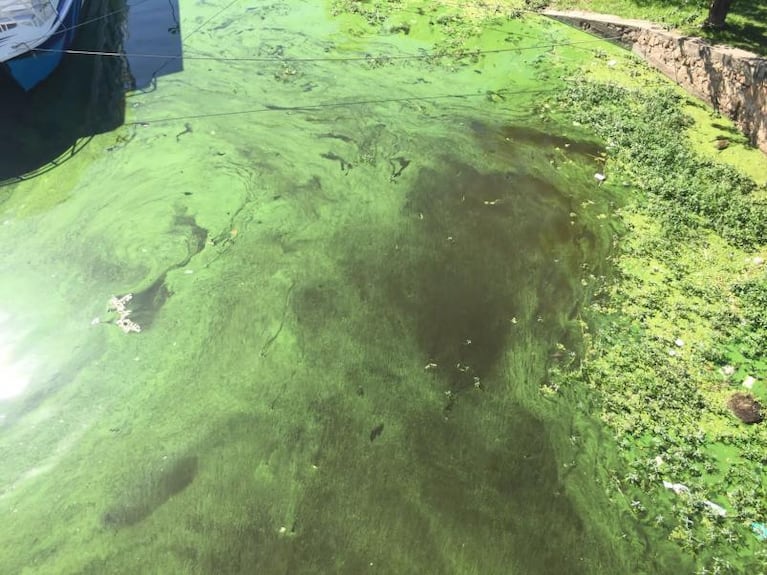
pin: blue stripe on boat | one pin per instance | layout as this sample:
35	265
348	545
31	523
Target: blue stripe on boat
32	68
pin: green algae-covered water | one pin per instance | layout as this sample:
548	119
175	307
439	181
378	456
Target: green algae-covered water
351	270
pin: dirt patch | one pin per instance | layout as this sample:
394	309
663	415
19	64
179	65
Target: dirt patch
745	407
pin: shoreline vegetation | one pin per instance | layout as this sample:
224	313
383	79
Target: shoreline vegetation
675	335
678	331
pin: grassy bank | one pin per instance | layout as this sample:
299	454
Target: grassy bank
746	23
679	327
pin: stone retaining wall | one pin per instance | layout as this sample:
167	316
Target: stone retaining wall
733	81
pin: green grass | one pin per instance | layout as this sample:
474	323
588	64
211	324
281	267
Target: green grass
746	24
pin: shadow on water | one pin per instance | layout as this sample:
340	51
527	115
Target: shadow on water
86	94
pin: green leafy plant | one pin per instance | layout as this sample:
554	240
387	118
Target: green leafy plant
646	133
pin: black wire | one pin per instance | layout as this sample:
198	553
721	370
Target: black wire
276	108
216	15
96	19
367	57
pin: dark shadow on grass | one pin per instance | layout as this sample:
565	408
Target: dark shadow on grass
730	130
724	94
744	35
745	27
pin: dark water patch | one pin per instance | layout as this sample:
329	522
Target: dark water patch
466	265
162	483
197	236
473	250
398	166
547	140
333	136
503	474
471	279
146	304
376	432
344	164
309	197
316	306
509	137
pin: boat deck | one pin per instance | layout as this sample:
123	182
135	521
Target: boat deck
25	24
25	10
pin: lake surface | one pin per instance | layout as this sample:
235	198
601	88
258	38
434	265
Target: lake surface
351	268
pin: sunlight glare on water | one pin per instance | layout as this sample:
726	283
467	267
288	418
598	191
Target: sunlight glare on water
14	373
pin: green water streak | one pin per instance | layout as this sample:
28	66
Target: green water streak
348	311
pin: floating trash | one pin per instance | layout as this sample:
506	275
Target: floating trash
677	488
716	509
760	529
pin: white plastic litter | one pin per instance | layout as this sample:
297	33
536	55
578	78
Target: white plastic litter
717	509
677	488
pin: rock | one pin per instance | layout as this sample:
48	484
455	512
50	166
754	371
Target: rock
745	407
749	382
721	143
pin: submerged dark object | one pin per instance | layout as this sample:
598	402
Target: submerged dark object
376	431
148	495
745	407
